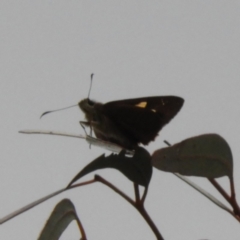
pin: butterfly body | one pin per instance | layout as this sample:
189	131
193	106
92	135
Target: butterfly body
130	122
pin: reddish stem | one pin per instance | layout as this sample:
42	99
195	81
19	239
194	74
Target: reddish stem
136	191
80	226
138	204
230	199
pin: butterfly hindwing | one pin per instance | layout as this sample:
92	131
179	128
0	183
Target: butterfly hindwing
141	126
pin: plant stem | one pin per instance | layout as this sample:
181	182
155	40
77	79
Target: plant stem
136	191
230	199
81	228
139	205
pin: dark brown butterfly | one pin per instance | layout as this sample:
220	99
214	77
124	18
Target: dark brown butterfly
130	122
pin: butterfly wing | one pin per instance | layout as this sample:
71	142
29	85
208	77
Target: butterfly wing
142	118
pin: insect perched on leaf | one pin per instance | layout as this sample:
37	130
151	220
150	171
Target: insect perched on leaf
132	121
129	122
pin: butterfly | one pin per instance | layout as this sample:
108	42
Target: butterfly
130	122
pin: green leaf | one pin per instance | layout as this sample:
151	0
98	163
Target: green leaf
61	217
137	168
206	155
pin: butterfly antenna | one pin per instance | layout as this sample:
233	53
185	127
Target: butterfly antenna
90	86
57	110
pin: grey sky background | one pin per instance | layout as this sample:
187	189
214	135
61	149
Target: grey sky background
48	50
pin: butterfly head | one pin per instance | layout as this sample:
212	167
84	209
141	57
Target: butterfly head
87	105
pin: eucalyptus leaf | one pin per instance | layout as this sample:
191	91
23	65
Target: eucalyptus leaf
137	168
206	155
62	215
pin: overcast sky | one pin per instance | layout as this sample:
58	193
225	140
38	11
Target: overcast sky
48	49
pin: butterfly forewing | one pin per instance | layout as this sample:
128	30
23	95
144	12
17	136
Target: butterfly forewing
142	118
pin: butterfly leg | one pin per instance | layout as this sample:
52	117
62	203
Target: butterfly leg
87	124
83	124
